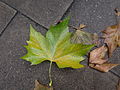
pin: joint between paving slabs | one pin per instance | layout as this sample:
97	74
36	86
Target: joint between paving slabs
9	6
33	20
24	15
67	11
8	23
63	16
114	73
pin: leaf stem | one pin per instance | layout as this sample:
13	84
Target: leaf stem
50	77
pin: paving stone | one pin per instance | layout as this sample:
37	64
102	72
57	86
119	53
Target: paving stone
97	15
83	79
116	59
6	13
104	81
44	12
70	79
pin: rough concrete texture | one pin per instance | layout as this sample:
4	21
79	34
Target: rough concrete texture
97	15
44	12
17	74
6	14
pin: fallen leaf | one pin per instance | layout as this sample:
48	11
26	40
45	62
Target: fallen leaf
81	26
112	37
105	67
97	55
39	86
55	47
80	36
97	60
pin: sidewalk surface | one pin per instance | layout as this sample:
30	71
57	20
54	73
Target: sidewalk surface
15	18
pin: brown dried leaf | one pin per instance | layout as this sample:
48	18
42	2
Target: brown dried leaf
39	86
81	26
97	55
97	60
105	67
112	36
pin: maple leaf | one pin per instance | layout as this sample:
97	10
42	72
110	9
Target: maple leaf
112	36
39	86
97	59
55	47
84	37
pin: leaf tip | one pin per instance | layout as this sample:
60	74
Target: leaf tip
32	30
67	19
22	57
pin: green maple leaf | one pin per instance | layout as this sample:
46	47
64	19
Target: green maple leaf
55	47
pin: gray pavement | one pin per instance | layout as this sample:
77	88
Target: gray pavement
6	14
15	18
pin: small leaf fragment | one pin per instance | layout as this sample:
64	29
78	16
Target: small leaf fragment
97	60
80	36
81	26
39	86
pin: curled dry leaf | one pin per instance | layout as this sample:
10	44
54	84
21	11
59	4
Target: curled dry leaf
80	36
105	67
97	55
97	60
112	36
39	86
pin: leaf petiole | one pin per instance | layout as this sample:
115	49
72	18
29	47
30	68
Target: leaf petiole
50	77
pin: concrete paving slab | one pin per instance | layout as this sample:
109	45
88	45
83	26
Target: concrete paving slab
6	14
116	59
104	81
97	15
44	12
84	79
